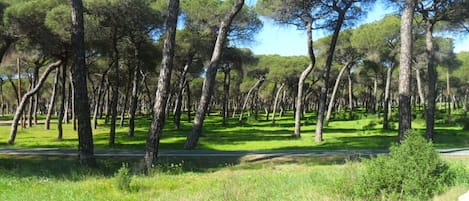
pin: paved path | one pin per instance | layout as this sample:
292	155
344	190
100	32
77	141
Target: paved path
208	153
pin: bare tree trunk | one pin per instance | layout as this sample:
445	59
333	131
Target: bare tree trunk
189	104
133	102
419	86
29	94
2	97
156	128
387	96
325	87
126	99
80	72
226	95
334	91
448	95
182	85
208	86
277	95
405	118
52	99
256	87
350	94
303	76
115	90
62	101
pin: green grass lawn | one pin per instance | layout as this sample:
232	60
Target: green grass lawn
363	133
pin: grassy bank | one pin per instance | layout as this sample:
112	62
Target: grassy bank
287	178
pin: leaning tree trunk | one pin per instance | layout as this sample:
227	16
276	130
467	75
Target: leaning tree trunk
303	76
126	99
387	98
325	87
208	86
277	95
80	72
52	99
419	87
157	124
97	106
182	85
334	91
405	118
20	109
256	87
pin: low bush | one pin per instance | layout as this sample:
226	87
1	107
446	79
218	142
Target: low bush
123	178
413	170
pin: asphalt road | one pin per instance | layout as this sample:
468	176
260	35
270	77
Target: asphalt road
208	153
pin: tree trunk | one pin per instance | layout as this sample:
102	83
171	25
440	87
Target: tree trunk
157	124
256	87
277	95
29	94
325	87
226	94
62	102
182	85
405	118
189	104
387	96
448	95
350	94
133	102
80	72
99	98
2	97
334	91
303	76
115	90
126	99
52	99
208	86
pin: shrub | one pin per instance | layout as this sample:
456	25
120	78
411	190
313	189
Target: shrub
123	178
411	171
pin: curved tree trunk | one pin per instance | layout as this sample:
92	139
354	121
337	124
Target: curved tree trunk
208	86
182	85
256	87
52	99
277	95
304	74
405	119
419	86
29	94
334	91
99	98
80	73
157	124
325	87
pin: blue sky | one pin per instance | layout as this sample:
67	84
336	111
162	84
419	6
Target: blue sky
287	40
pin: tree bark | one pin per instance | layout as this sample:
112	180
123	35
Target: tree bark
226	94
157	124
325	87
419	86
387	96
208	86
62	102
29	94
256	87
350	94
405	118
126	99
303	76
182	85
80	72
52	99
133	102
115	90
334	91
277	95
